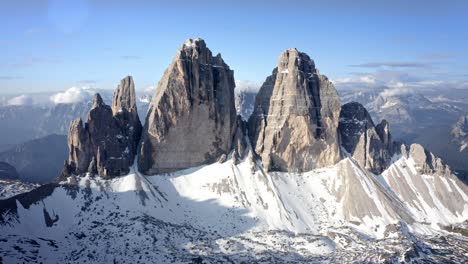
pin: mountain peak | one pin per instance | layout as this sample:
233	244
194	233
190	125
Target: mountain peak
295	119
194	43
194	97
369	145
107	144
124	96
97	101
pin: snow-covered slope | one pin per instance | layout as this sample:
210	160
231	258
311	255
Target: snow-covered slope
10	188
239	213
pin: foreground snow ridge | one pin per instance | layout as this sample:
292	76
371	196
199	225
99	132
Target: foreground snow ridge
224	209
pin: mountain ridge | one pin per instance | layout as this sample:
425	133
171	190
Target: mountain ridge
263	197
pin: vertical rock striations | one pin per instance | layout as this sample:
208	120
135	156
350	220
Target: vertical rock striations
192	117
125	110
425	161
371	146
460	132
295	119
106	144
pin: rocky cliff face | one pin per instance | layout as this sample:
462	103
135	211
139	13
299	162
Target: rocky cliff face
425	162
125	110
295	119
106	144
460	132
371	146
192	118
8	172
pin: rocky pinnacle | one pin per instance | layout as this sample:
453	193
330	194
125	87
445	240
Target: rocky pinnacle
192	117
295	119
106	143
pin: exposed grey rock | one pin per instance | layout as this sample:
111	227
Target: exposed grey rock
423	116
426	162
125	110
294	123
192	118
8	172
460	132
240	142
106	144
371	146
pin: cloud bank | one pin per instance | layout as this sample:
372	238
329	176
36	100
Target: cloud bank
72	95
247	86
20	100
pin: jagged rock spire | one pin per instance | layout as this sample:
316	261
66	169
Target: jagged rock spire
125	110
106	144
369	145
295	119
425	161
124	96
97	101
192	118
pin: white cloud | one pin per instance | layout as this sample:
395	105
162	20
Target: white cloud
72	95
20	100
150	89
367	80
247	86
395	91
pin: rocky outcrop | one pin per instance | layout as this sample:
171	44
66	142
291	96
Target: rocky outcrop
125	110
371	146
8	172
240	142
192	118
460	133
425	161
295	119
106	144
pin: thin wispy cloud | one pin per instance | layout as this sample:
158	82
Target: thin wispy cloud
34	31
395	82
389	64
130	57
88	81
31	61
8	77
439	56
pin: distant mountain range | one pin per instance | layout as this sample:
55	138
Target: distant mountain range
35	120
419	116
293	175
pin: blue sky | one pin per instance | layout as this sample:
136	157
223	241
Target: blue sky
54	45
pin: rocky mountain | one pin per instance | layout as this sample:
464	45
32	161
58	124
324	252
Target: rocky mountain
460	132
37	161
8	172
294	123
422	116
194	97
106	145
32	121
313	181
371	146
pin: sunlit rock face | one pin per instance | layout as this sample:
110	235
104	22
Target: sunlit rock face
192	117
295	119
